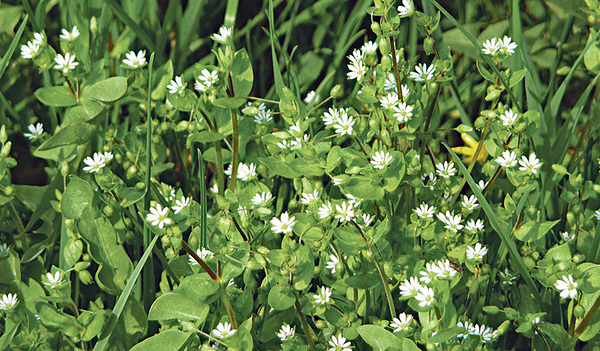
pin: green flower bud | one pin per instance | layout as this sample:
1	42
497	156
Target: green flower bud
579	311
93	25
337	91
85	277
108	211
288	105
376	28
80	266
3	134
428	45
578	258
9	191
250	110
5	150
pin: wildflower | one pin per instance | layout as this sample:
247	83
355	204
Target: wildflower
508	118
353	201
369	47
286	332
470	149
223	35
508	159
476	253
39	38
381	159
94	164
310	198
133	60
403	112
410	287
311	97
345	212
469	203
69	36
507	47
429	180
8	302
390	84
332	263
338	343
481	185
443	269
180	204
223	330
425	296
366	219
445	169
108	156
30	50
263	116
530	165
507	277
474	226
331	116
284	225
357	56
35	131
339	181
261	199
597	214
451	221
406	8
567	238
425	211
4	251
203	254
428	274
323	296
54	281
176	86
206	79
344	124
422	72
389	101
402	322
491	46
159	216
66	63
357	70
245	172
325	210
567	287
486	334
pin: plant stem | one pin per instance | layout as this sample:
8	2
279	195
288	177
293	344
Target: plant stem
200	261
235	157
386	288
588	317
396	72
305	326
229	307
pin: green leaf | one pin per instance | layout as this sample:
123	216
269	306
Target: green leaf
108	90
394	172
205	136
77	198
13	45
517	77
6	339
379	338
534	230
281	297
76	133
307	167
228	102
167	340
175	305
130	196
162	77
53	318
485	73
279	167
241	73
58	96
363	187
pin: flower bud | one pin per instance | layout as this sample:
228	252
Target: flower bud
5	150
86	277
337	91
3	135
376	28
93	25
579	311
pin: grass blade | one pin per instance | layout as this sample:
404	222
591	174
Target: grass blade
202	176
230	13
13	46
139	31
276	72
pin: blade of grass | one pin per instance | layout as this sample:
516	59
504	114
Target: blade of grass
192	16
498	227
13	46
203	214
139	31
276	72
594	254
517	34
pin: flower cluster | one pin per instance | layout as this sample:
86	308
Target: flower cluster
486	334
497	46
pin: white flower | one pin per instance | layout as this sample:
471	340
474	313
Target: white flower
469	202
344	124
310	198
108	156
286	332
443	269
481	185
205	80
487	334
35	131
597	214
357	70
403	112
390	84
133	60
94	164
54	281
332	263
476	253
284	225
389	101
507	278
203	254
261	199
223	330
366	219
509	117
425	211
474	226
402	322
425	296
381	159
422	72
338	343
353	201
223	35
429	180
176	86
529	165
451	221
345	212
180	204
283	144
30	50
39	38
508	159
445	169
69	36
311	97
245	172
8	301
357	56
263	116
66	63
339	181
428	274
159	216
567	238
491	46
323	296
567	287
330	117
406	8
4	251
325	210
369	47
507	47
410	287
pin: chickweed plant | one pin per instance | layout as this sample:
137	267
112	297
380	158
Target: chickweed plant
302	175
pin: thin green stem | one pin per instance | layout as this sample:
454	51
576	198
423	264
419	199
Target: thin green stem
305	326
228	307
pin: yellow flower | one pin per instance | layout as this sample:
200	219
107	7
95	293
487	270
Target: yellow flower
470	149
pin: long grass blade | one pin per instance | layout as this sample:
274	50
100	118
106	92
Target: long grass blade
13	46
276	72
139	31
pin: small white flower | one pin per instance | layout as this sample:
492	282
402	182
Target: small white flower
69	36
223	330
159	216
357	70
330	117
367	219
323	296
425	211
176	86
469	203
311	97
30	50
54	281
246	172
402	322
284	225
339	181
66	63
410	287
443	269
428	274
429	180
133	60
481	185
4	251
332	263
283	144
390	84
344	124
529	165
205	80
180	204
567	287
369	47
353	200
261	199
567	238
39	38
325	210
473	226
445	169
35	131
406	8
507	47
381	159
491	46
597	214
223	35
338	343
345	212
422	72
389	101
476	253
108	156
509	117
94	164
486	334
508	159
451	221
403	112
8	302
425	296
263	116
310	198
357	56
507	278
203	254
286	332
